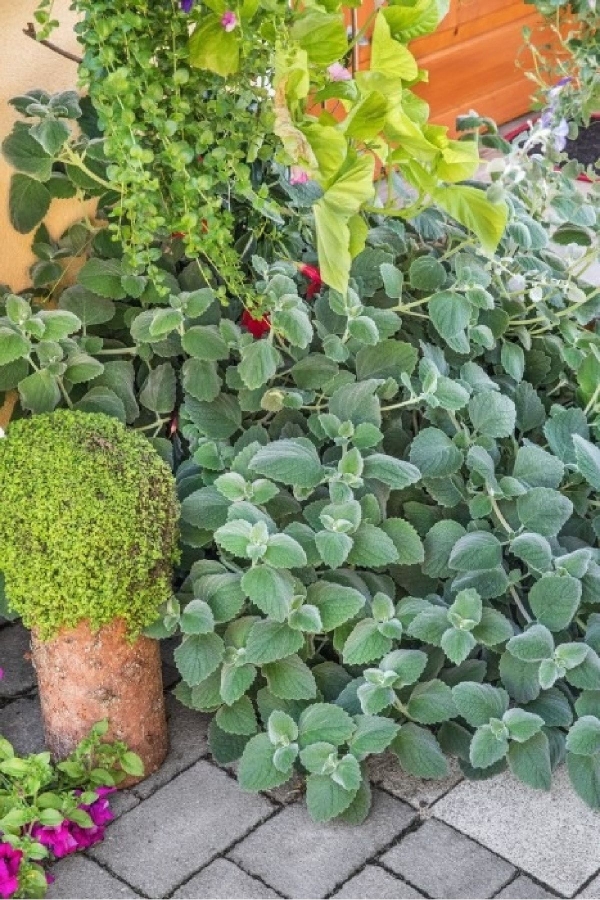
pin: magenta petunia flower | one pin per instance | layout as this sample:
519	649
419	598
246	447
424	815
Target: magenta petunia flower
229	20
57	838
10	860
298	175
338	72
68	837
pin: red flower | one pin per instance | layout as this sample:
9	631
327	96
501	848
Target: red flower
315	282
256	327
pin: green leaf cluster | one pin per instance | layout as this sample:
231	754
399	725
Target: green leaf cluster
88	523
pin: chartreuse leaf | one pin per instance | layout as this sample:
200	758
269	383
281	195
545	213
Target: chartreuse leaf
213	48
470	207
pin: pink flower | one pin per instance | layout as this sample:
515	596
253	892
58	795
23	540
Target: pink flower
68	837
57	838
86	837
99	811
10	860
229	20
298	175
338	72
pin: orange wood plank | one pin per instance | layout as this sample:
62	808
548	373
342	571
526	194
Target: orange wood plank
481	67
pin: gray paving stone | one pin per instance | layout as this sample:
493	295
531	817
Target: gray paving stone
374	883
21	724
168	837
592	891
443	863
551	835
188	736
122	802
523	888
19	674
80	878
385	771
223	880
300	858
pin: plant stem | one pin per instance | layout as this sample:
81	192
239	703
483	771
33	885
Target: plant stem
519	604
499	515
403	403
592	401
132	351
30	33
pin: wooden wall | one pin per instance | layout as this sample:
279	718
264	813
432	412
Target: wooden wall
472	60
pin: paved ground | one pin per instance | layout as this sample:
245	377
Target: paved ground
189	832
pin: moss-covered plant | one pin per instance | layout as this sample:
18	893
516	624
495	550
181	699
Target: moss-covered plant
88	523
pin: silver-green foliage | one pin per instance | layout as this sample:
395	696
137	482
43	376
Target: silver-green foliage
389	502
405	524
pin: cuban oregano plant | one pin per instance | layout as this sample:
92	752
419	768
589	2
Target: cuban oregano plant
402	497
88	523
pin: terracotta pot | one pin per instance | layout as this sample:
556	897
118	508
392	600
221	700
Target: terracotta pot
87	676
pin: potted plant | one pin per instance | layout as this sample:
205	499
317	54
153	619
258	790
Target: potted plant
88	529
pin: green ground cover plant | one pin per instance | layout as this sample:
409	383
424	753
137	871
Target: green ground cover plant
88	522
386	452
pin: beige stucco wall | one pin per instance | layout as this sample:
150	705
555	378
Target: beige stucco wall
24	64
